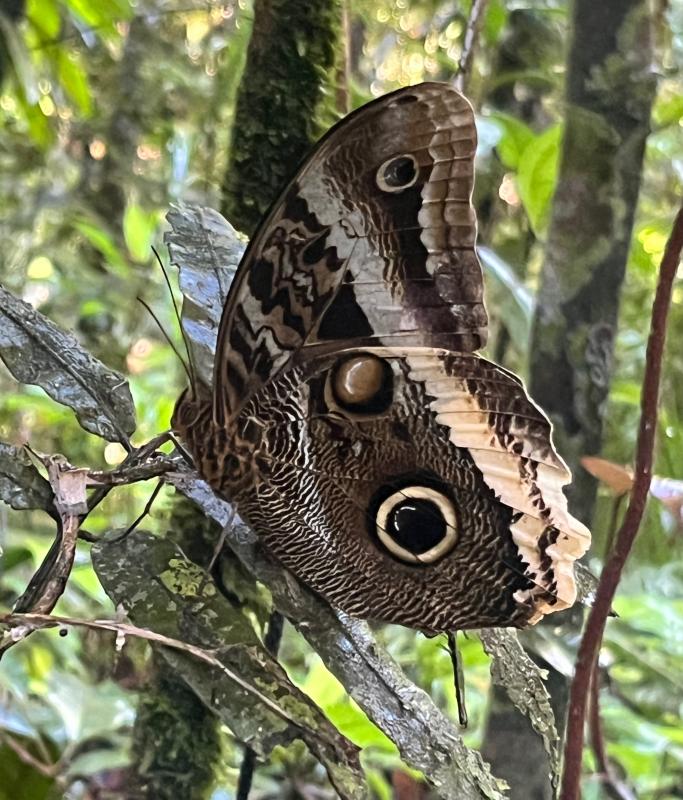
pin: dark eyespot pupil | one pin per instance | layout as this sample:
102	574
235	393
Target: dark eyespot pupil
417	525
399	172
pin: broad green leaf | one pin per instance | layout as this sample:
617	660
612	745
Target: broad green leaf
138	230
74	80
515	138
537	175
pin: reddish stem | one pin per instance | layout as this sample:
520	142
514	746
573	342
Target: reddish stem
609	580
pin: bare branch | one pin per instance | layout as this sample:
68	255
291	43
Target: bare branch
48	583
469	43
609	580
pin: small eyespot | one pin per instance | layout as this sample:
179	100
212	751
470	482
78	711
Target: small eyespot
362	384
417	524
397	173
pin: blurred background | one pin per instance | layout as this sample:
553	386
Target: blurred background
110	110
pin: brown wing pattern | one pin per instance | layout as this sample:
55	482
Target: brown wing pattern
396	472
371	244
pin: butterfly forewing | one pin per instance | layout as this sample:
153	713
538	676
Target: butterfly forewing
371	243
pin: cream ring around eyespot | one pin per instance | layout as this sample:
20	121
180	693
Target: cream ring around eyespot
444	505
381	174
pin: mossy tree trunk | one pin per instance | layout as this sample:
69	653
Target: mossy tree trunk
292	53
609	91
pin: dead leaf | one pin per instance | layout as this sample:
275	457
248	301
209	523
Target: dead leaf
618	478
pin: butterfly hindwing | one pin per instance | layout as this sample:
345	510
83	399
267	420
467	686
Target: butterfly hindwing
450	440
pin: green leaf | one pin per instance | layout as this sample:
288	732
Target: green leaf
325	690
102	241
537	176
74	80
21	781
44	17
138	230
668	110
494	21
39	127
515	138
100	15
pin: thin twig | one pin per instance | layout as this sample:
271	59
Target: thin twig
469	44
458	677
38	621
145	511
48	770
614	788
592	637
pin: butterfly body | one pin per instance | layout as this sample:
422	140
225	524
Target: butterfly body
394	471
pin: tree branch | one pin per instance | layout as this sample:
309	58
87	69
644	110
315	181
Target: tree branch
469	43
592	638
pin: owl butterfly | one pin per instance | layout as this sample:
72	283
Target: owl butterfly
395	472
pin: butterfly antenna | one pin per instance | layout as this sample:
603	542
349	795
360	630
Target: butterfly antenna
458	676
167	338
190	368
146	510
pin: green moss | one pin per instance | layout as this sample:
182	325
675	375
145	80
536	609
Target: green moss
176	741
186	579
291	56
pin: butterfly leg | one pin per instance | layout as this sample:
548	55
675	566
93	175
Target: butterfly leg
458	677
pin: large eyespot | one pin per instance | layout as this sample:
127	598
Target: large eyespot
397	173
417	524
362	384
